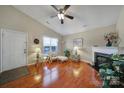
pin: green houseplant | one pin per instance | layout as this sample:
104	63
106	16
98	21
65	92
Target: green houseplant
117	57
67	53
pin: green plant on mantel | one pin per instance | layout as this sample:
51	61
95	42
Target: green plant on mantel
117	57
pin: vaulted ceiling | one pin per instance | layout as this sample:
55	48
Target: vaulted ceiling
85	17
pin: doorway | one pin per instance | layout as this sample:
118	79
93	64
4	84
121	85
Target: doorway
13	49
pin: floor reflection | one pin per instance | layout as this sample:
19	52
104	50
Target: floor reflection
95	78
76	72
50	75
37	77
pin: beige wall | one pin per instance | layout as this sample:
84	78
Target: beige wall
120	27
120	30
90	38
13	19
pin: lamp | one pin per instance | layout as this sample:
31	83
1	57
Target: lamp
37	51
76	49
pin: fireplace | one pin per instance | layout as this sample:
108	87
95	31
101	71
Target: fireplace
102	55
100	58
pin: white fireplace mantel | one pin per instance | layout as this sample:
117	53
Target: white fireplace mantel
105	50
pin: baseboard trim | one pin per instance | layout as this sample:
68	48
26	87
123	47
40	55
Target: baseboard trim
30	64
86	61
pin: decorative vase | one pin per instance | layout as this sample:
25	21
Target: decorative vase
109	43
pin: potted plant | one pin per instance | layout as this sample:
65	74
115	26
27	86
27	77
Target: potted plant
67	53
117	57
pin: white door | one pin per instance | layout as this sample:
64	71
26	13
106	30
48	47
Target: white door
13	49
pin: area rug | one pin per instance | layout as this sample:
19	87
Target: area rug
14	74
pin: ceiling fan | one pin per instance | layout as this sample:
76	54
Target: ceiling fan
61	13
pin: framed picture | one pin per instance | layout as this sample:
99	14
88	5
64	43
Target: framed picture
78	42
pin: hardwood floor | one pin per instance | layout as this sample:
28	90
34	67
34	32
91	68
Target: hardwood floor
58	75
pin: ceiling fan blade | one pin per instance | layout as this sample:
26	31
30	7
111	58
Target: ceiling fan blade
55	7
70	17
53	16
62	21
66	7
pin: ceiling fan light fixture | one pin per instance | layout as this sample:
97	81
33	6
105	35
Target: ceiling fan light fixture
60	16
61	13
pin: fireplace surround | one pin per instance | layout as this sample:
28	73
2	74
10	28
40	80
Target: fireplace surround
102	55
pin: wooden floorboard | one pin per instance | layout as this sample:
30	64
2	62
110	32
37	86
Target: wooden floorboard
58	75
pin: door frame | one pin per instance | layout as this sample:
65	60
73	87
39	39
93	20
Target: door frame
1	45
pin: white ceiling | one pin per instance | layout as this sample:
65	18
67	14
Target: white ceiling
85	17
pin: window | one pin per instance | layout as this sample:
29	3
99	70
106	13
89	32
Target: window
50	45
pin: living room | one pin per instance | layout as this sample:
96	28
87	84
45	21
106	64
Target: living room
47	51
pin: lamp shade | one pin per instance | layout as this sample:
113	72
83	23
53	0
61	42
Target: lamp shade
37	50
76	48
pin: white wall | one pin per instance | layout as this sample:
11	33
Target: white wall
11	18
90	38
